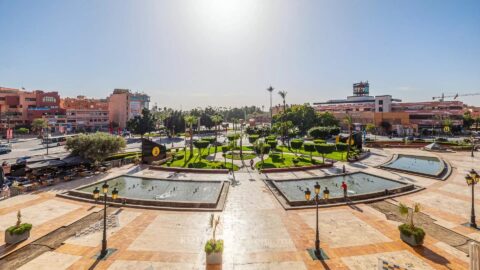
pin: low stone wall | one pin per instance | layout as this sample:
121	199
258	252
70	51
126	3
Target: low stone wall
187	170
356	197
296	169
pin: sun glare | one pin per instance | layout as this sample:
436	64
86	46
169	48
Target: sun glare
225	16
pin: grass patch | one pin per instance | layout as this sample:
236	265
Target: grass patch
236	156
276	161
196	162
341	156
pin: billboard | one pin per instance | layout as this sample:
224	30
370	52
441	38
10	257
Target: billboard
361	89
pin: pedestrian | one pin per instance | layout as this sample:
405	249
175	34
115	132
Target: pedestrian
344	187
251	164
343	168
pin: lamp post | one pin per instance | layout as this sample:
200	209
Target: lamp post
326	195
473	144
472	179
96	196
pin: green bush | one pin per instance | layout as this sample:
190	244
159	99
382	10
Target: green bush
22	130
25	227
253	138
418	233
272	138
214	246
318	141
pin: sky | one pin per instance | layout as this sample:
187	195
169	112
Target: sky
190	53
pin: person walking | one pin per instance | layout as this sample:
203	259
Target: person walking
251	164
344	187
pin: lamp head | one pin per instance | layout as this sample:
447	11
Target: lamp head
105	187
114	194
307	194
96	193
317	188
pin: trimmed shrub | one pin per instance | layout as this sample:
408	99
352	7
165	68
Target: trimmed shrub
24	227
418	233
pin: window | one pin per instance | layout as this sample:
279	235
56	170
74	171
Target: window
380	109
49	99
31	99
380	102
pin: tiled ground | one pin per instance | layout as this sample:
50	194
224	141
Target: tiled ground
258	232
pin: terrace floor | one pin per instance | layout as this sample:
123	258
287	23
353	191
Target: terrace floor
258	233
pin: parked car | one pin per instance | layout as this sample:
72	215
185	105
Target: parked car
22	160
5	148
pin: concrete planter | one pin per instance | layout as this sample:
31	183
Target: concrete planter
214	258
16	238
410	239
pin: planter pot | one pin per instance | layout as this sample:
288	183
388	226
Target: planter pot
16	238
410	239
214	258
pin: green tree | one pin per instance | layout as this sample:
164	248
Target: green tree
468	120
325	149
190	120
253	138
200	145
273	145
22	130
143	123
370	128
95	147
296	145
261	148
225	149
309	147
217	120
327	119
39	124
319	132
348	120
283	95
342	147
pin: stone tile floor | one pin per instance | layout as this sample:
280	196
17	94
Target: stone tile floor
258	232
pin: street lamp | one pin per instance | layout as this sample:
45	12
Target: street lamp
96	196
472	179
316	198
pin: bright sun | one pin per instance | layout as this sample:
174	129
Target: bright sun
225	16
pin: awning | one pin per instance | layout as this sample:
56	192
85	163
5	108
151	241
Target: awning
46	164
74	161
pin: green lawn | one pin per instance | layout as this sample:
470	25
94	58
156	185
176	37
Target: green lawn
236	156
276	161
341	156
196	162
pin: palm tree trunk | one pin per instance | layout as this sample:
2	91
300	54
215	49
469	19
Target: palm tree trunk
349	139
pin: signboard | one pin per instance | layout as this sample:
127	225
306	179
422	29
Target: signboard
152	151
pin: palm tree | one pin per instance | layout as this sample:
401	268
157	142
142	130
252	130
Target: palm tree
283	94
349	123
270	89
190	120
216	119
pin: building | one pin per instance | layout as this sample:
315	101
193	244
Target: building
124	105
391	114
20	107
86	114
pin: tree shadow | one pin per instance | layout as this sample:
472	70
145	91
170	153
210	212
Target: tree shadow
432	256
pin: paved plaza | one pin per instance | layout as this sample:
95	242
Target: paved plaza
257	231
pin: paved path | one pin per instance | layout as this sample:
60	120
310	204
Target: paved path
258	232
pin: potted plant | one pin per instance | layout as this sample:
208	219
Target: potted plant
409	233
214	247
19	232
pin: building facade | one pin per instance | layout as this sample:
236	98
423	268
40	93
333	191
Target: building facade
124	105
386	112
86	114
20	107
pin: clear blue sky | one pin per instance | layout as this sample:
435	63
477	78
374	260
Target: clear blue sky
226	53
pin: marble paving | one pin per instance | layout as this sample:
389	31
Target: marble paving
51	260
174	232
340	229
92	239
39	213
402	258
18	200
